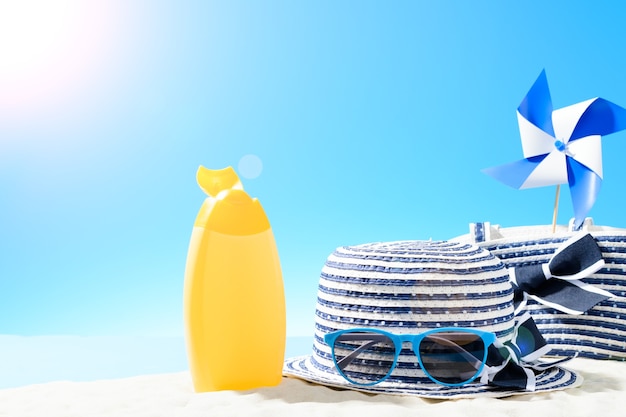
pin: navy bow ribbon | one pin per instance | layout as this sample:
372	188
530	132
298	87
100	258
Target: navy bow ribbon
558	284
514	364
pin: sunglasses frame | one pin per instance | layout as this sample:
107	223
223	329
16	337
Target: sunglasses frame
488	339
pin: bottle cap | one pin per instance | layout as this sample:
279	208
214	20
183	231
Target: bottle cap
212	181
228	209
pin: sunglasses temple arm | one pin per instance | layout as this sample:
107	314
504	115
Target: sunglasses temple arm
347	360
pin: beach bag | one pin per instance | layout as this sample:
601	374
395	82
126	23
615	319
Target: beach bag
598	333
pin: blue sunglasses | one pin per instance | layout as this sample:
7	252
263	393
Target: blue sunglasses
450	356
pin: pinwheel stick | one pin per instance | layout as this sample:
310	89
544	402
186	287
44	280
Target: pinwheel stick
556	207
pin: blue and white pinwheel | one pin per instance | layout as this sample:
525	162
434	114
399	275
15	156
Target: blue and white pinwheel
561	146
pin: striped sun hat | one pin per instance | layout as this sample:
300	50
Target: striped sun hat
408	287
599	332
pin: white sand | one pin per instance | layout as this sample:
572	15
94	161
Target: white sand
602	394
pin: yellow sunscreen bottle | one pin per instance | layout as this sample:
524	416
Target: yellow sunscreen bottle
234	300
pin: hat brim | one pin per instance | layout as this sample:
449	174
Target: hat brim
553	379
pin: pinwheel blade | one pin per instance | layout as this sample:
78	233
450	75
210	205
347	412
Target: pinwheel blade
566	119
584	186
537	171
601	118
551	171
537	105
534	140
588	152
515	174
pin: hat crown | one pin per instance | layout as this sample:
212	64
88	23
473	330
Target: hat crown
413	286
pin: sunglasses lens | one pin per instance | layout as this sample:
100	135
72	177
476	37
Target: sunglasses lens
452	357
364	358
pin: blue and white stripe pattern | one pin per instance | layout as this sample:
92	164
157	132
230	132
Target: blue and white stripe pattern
404	286
601	331
408	287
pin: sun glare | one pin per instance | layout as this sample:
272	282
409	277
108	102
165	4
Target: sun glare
47	49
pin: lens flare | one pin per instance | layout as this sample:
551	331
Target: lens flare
250	166
49	50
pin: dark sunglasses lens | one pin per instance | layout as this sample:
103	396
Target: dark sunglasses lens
364	358
452	357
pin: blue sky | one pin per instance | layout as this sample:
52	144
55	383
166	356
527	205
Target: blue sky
372	121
